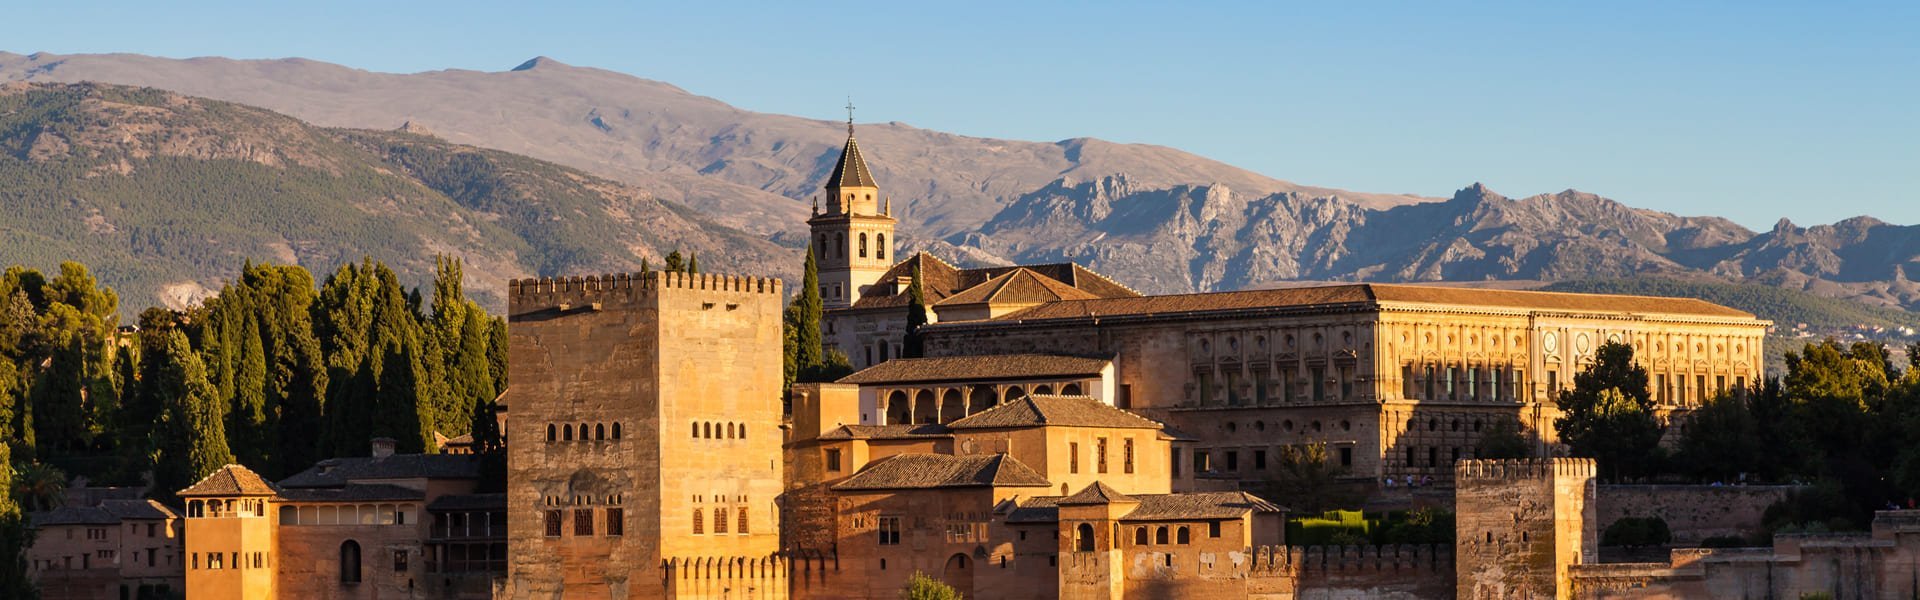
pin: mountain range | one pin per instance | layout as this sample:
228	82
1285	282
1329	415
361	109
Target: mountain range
1155	218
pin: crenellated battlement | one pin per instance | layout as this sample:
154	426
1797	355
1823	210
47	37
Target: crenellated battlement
1514	469
543	292
1291	561
716	577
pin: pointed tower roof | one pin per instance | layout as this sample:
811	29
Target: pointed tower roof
852	170
1098	493
230	480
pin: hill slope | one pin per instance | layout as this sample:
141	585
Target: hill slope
165	194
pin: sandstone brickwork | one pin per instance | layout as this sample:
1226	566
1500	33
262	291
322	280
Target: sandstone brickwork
1520	525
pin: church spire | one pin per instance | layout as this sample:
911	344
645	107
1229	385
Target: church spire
851	172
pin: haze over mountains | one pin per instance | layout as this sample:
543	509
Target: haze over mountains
1155	218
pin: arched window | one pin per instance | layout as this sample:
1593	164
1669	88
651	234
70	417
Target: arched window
599	431
350	562
743	431
616	430
1182	536
1160	535
696	431
719	520
1140	536
823	246
583	432
707	431
880	246
566	432
1071	389
1043	390
840	243
729	431
698	526
1083	538
863	245
552	433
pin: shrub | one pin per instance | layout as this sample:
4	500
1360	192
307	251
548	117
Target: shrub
1636	532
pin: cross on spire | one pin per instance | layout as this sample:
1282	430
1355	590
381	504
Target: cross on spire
849	115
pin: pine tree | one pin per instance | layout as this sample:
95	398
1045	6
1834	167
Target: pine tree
676	263
914	346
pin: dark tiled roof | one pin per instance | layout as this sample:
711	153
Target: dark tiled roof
887	432
1167	432
1098	493
973	368
1059	411
1156	507
851	171
1204	505
1019	286
138	510
230	480
941	281
921	471
469	502
1371	295
353	492
72	515
336	472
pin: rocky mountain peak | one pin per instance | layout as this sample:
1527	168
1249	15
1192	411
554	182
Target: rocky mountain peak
540	62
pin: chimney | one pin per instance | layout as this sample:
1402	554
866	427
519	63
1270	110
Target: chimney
382	447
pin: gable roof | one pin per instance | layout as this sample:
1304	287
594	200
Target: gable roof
1055	411
1373	296
1018	286
353	492
940	281
851	171
138	510
975	368
108	512
336	472
1098	493
926	471
1155	507
887	432
230	480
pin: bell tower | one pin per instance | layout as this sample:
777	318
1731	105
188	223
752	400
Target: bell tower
853	238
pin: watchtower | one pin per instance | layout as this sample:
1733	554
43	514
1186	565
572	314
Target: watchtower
852	240
645	431
1520	524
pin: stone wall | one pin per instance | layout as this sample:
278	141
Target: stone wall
1693	512
1883	564
1519	524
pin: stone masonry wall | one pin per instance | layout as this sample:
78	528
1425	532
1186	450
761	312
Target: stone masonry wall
1692	512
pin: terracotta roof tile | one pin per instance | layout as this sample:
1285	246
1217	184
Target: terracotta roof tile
940	280
922	471
972	368
1373	295
336	472
1058	411
1019	286
887	432
353	492
1156	507
230	480
1098	493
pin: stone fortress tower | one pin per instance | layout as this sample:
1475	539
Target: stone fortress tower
646	439
1520	525
852	240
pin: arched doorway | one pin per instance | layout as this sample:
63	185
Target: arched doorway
896	409
1083	538
981	398
959	574
951	406
923	408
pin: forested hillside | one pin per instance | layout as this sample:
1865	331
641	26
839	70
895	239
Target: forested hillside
162	194
1786	308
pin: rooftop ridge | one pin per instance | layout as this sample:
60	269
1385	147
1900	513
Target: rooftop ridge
536	291
1514	469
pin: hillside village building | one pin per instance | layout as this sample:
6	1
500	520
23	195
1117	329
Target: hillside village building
1063	437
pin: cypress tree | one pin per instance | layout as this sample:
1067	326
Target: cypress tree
249	433
195	439
693	263
401	411
806	313
497	340
914	346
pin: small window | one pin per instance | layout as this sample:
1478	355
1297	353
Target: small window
696	431
719	520
833	459
1160	535
616	522
1140	536
399	561
551	432
1182	536
1073	457
600	431
1083	537
349	561
553	523
1213	529
890	531
616	430
1126	449
742	512
583	522
566	433
698	526
1100	454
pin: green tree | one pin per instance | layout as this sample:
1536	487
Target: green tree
195	440
802	340
38	486
693	263
1608	415
1504	438
675	262
922	587
914	346
1722	440
15	536
1304	475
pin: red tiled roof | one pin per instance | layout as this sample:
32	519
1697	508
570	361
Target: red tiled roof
1019	286
1057	411
887	432
923	471
1154	507
971	368
230	480
1098	493
1374	295
940	280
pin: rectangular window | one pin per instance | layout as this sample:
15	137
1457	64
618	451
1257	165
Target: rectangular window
1700	387
1453	390
583	521
1473	382
1126	450
399	561
1100	455
1126	396
616	521
889	531
1073	457
1175	455
1286	385
1233	460
1346	457
1200	462
1319	375
553	523
216	561
1406	381
1260	395
1660	388
1259	459
699	521
1204	388
1346	383
1213	529
1720	384
1553	381
833	459
719	520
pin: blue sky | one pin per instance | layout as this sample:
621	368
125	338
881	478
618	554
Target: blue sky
1750	110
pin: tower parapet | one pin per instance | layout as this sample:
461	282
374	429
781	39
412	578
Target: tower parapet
1521	524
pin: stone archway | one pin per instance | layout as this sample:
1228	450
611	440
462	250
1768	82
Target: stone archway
924	410
897	409
952	406
958	573
981	398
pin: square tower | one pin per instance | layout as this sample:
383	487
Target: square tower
1520	524
645	431
852	240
